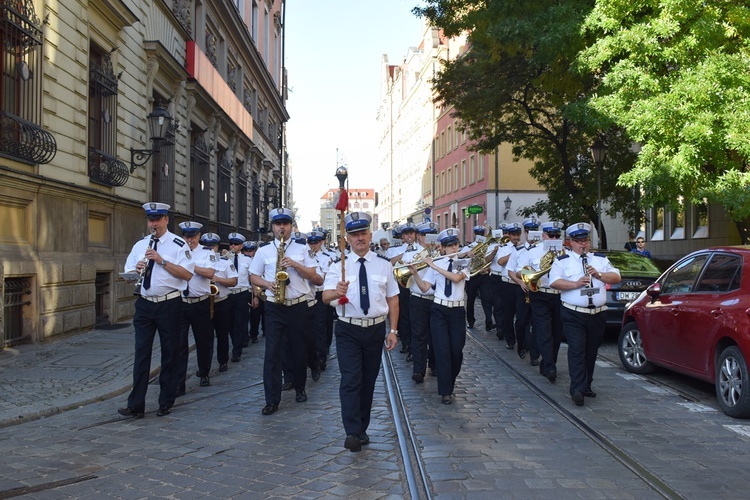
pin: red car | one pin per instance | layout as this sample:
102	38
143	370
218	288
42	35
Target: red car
695	319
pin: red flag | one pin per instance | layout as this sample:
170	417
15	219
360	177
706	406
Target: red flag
343	202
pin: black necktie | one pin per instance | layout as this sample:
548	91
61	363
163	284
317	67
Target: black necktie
364	293
449	283
149	269
236	266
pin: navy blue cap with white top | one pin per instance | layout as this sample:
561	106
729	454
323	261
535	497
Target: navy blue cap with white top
427	228
156	210
357	221
511	227
409	226
235	238
210	239
531	224
449	236
281	214
249	245
479	230
315	236
551	227
190	228
578	230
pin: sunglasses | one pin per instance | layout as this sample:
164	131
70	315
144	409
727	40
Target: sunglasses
580	240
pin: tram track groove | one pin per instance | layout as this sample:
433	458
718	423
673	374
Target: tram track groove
620	455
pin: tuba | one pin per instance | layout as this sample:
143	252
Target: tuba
282	277
478	262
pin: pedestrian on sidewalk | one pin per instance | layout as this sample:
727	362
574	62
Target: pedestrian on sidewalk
363	298
157	308
448	317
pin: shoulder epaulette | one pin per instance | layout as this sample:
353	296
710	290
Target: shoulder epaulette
383	257
336	259
600	254
179	241
326	254
561	257
224	257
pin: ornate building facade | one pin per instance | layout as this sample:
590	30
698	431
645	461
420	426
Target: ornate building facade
177	101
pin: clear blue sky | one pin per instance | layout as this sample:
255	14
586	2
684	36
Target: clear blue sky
333	58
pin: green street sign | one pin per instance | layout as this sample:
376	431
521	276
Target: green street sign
475	209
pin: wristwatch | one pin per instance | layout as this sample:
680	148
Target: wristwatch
395	332
163	263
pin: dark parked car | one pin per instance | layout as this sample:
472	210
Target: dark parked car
695	320
637	273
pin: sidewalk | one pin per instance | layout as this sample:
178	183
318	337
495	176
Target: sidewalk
39	380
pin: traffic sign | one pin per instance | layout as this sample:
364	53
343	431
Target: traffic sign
475	209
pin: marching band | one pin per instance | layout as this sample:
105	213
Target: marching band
535	293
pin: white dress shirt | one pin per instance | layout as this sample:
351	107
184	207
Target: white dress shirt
433	277
380	284
264	265
172	249
569	267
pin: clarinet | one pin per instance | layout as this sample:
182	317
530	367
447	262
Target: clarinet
585	264
142	275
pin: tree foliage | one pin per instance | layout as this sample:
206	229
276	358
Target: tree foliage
675	75
516	84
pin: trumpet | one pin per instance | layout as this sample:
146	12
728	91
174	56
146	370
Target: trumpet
144	269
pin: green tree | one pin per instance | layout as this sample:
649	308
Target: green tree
516	84
675	74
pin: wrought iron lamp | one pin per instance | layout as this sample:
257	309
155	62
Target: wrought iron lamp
508	202
159	121
598	151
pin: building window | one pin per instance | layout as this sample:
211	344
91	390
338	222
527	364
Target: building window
472	169
162	167
254	23
700	219
450	181
266	35
458	134
200	174
241	198
463	173
455	177
104	167
365	205
450	138
657	224
329	216
224	188
677	222
442	145
21	134
256	209
443	184
480	171
437	186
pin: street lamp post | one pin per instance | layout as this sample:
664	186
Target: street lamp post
598	150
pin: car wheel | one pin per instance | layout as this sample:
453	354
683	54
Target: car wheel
731	373
630	348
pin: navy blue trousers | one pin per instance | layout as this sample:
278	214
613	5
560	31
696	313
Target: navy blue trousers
584	334
448	327
290	321
195	315
479	284
223	324
358	350
241	318
546	328
150	317
420	332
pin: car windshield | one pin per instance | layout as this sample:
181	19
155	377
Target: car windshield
632	264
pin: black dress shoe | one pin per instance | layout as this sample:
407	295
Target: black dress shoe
510	346
409	358
205	382
222	367
447	400
364	438
129	412
352	443
489	327
471	324
322	366
418	378
589	393
522	354
301	397
534	361
552	376
235	359
287	386
578	398
270	409
254	340
163	411
198	374
316	375
500	336
180	392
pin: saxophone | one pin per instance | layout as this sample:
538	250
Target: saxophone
282	277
